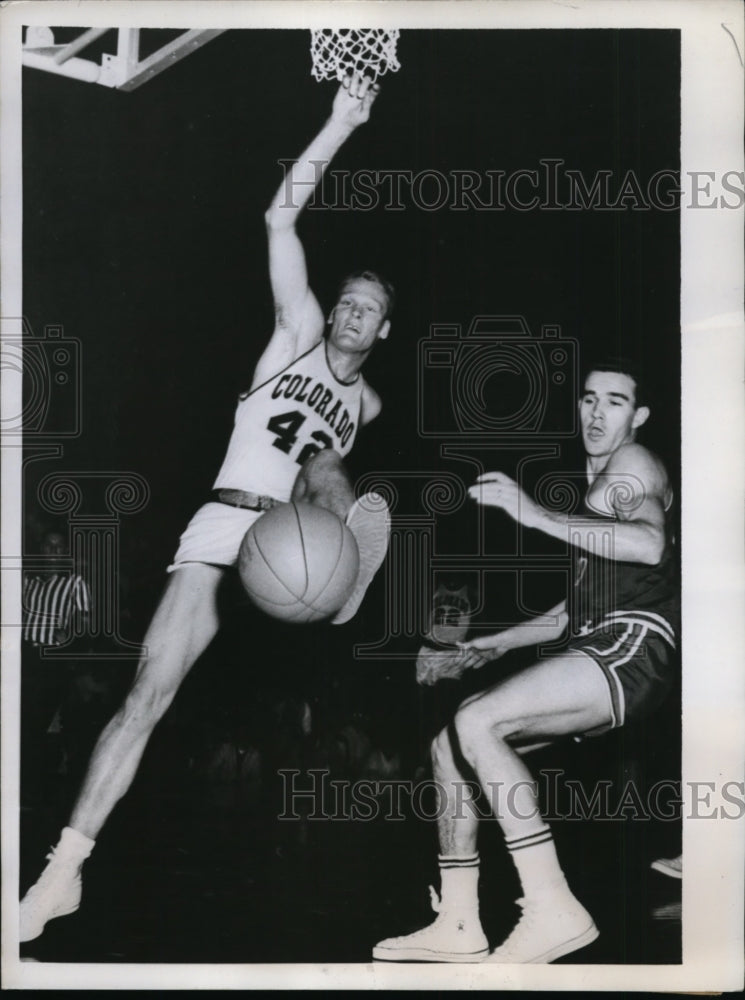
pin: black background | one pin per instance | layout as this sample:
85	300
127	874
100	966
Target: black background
143	229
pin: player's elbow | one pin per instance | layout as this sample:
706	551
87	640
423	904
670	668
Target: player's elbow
652	548
276	219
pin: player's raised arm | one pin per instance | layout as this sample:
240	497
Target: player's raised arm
299	320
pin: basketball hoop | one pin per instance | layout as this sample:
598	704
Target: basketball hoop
338	51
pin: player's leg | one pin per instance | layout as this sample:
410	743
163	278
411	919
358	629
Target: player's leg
183	626
560	696
556	697
456	935
324	480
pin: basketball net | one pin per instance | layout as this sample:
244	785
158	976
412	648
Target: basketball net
338	51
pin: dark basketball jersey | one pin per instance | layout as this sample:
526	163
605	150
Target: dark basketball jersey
603	585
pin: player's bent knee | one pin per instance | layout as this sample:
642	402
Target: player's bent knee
323	460
323	480
316	471
320	473
475	727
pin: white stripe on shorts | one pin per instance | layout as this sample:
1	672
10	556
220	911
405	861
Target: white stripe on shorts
612	665
652	620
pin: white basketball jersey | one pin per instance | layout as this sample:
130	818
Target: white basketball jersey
285	420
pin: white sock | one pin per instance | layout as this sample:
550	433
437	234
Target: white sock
74	846
459	883
534	856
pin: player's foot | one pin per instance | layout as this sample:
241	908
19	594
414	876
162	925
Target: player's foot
451	938
669	866
547	929
56	894
369	520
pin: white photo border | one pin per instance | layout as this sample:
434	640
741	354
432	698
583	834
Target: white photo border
713	442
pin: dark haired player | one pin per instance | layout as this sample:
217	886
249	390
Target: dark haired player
617	667
299	419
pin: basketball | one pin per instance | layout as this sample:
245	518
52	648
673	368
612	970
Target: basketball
299	563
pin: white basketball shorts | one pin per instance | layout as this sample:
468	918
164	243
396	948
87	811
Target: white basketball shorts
214	535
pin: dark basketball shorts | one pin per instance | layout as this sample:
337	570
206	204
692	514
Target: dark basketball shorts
636	652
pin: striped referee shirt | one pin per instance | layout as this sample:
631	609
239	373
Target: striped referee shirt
48	606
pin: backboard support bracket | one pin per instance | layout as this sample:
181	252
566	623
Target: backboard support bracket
123	71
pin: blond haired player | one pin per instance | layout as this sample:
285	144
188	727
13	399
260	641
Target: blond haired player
299	418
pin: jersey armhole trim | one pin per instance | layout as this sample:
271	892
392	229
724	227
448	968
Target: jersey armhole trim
242	396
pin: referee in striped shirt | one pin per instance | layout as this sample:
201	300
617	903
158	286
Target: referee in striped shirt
53	601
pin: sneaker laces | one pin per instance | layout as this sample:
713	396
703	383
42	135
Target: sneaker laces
435	899
49	872
52	856
524	925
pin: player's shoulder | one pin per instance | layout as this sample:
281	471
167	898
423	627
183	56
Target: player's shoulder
635	457
372	404
284	348
639	463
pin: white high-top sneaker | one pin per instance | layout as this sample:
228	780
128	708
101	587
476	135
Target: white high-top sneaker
452	937
369	520
56	894
58	889
548	928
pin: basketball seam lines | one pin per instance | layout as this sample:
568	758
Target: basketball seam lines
276	576
336	565
301	597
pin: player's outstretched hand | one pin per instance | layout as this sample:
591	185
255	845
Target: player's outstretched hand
451	662
494	489
353	100
438	664
477	652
